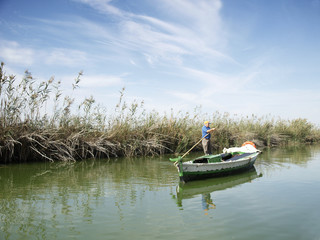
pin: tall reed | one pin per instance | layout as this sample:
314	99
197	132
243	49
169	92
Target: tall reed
69	133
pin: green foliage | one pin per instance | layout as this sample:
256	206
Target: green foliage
29	132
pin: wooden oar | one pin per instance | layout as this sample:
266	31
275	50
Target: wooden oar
179	158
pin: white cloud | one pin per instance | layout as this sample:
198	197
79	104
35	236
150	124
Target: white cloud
209	80
65	57
185	96
100	81
12	52
288	104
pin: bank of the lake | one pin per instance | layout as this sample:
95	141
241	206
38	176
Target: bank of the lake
29	131
141	198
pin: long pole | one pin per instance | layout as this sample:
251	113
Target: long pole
194	146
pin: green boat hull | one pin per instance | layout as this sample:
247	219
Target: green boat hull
215	166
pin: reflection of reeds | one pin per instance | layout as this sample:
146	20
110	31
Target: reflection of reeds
28	132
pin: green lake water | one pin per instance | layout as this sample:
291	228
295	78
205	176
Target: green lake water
142	199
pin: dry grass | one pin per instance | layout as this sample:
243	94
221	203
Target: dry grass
29	133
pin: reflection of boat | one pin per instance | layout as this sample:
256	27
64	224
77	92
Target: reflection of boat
192	189
231	161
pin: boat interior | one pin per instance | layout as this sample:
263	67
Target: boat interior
220	157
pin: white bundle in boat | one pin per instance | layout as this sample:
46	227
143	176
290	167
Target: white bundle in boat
246	149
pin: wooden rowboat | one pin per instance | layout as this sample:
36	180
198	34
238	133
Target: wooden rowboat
231	161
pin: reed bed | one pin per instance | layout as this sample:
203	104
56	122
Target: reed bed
70	133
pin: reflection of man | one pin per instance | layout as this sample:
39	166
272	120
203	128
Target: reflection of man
206	138
207	202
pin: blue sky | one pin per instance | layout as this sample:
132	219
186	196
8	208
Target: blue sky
242	57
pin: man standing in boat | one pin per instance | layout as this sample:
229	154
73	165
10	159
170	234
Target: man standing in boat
206	130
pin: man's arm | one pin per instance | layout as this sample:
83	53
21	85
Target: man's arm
211	130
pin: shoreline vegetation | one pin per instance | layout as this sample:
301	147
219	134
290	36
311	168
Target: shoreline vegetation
29	131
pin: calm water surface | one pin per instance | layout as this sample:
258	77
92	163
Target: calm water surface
142	199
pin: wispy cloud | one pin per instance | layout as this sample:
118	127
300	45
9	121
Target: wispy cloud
202	17
103	6
163	40
198	30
